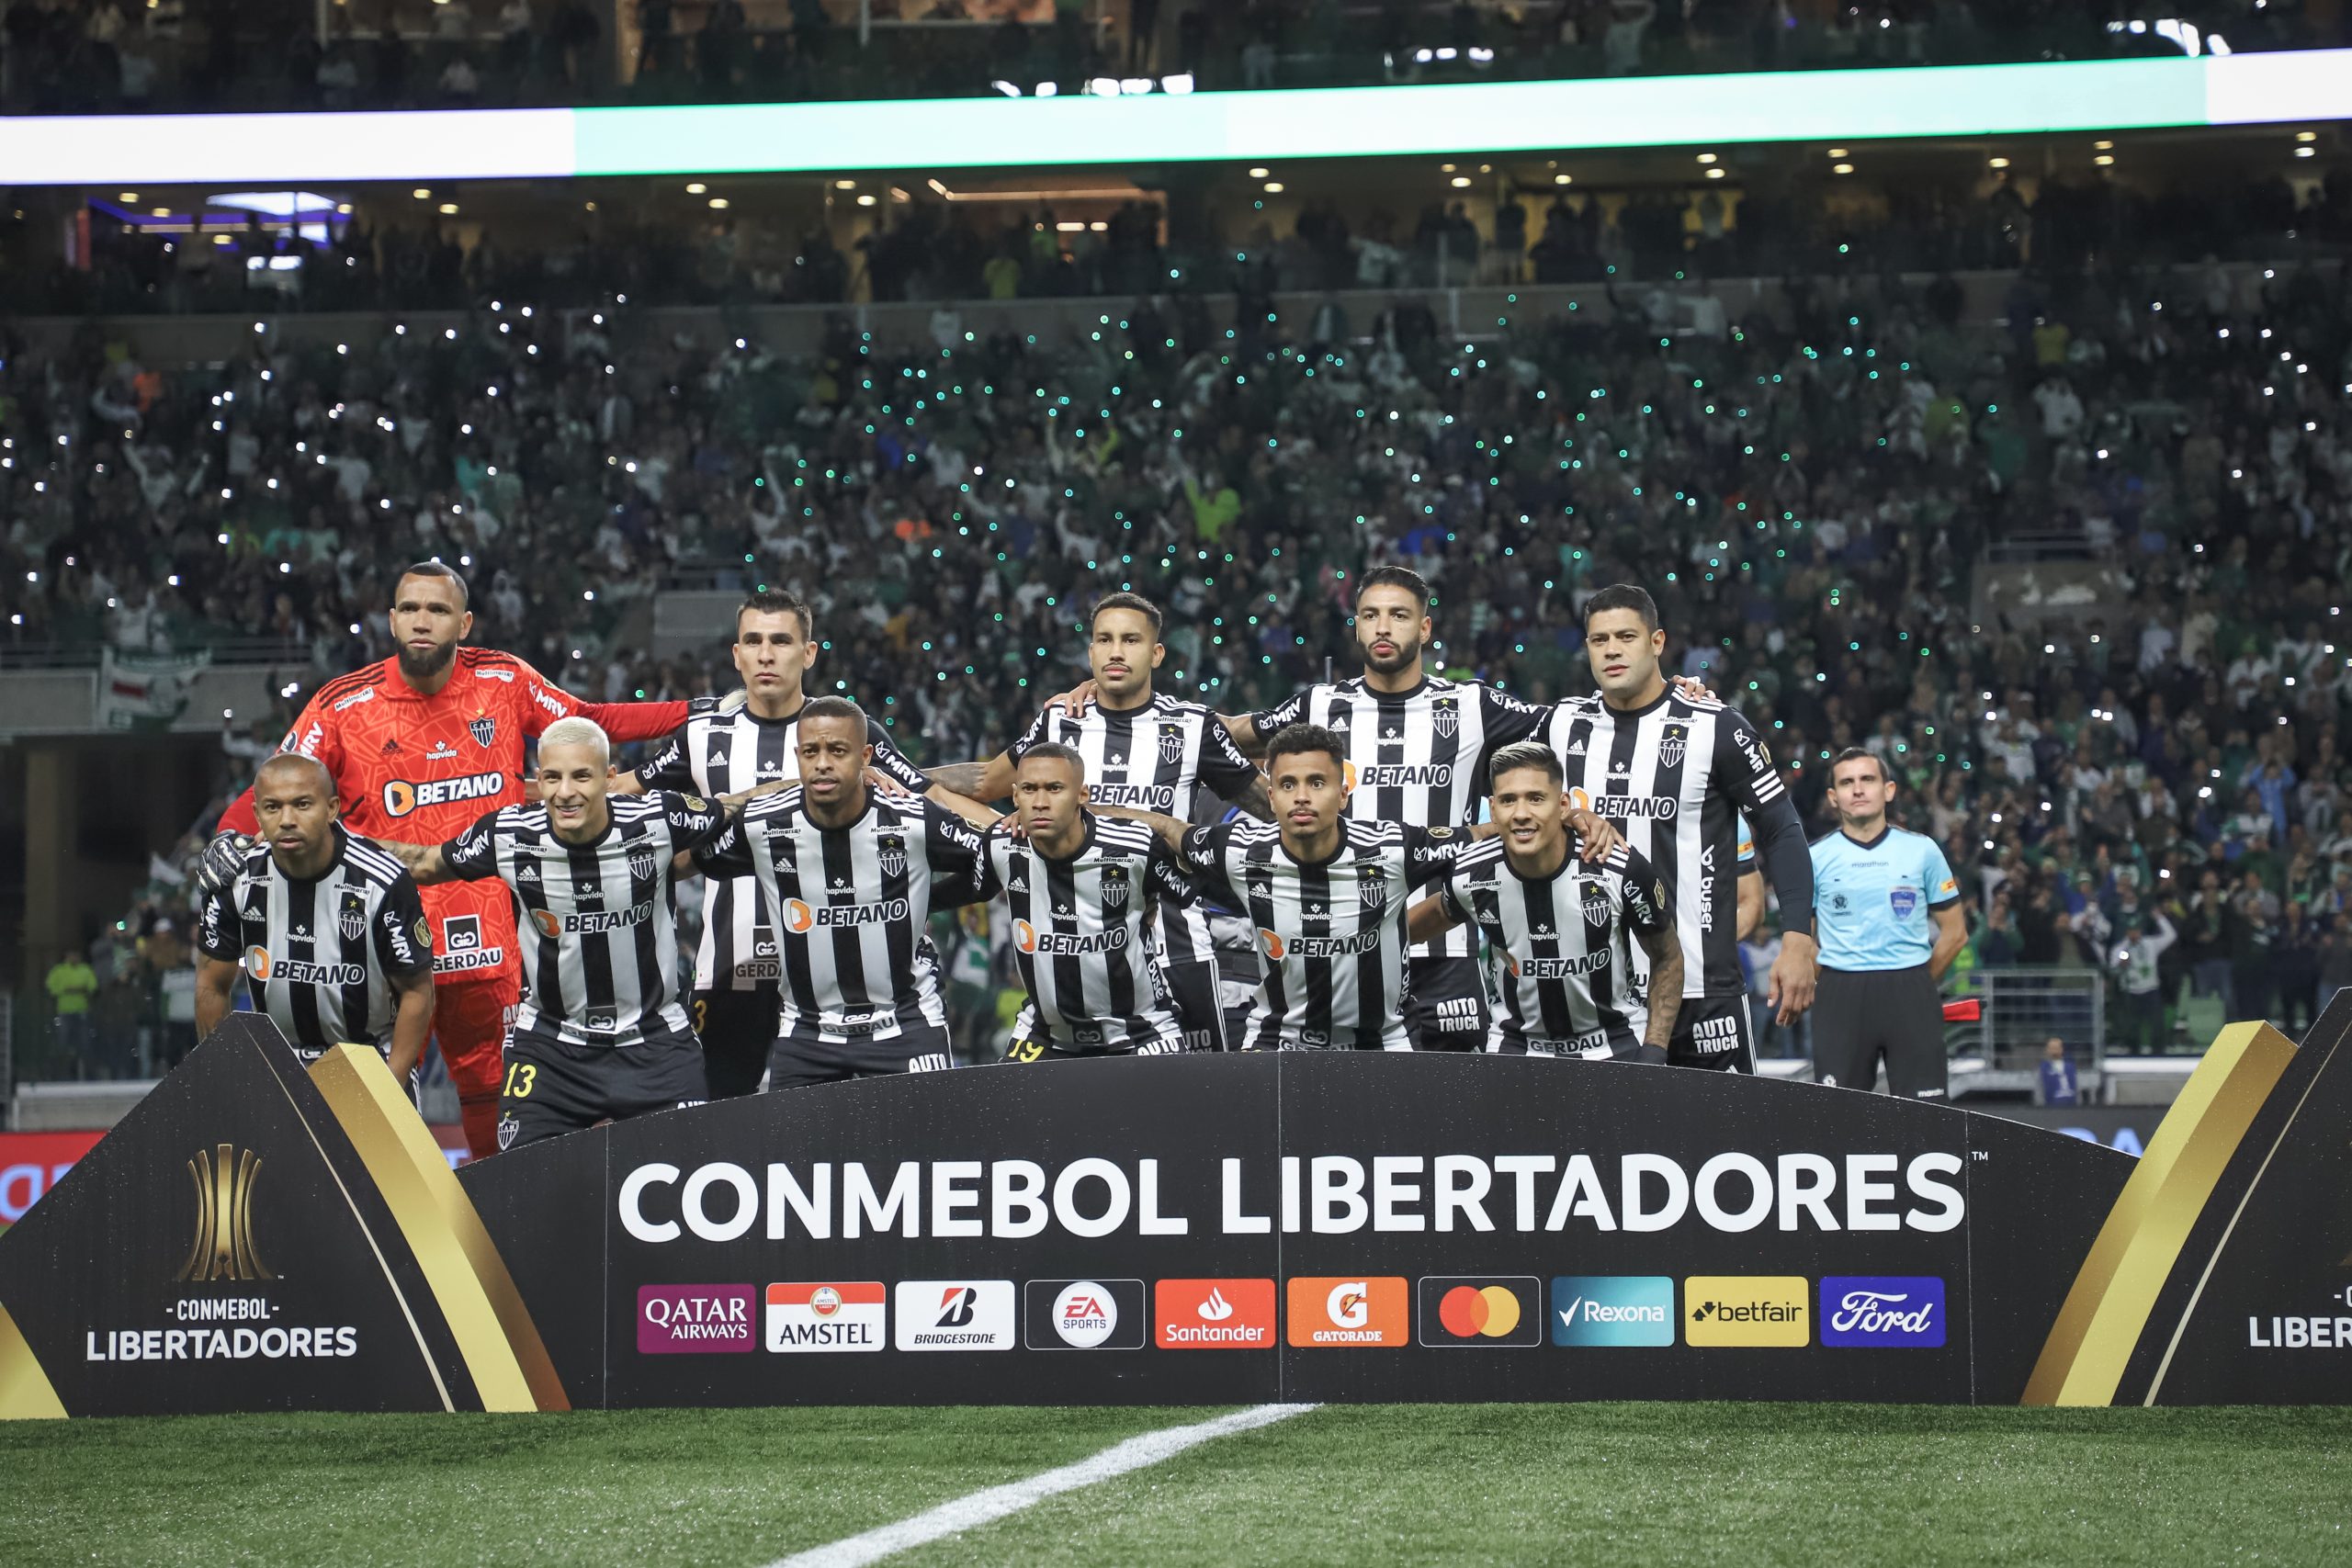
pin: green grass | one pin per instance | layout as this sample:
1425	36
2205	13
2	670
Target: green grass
1620	1484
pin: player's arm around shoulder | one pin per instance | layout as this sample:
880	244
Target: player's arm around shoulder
468	857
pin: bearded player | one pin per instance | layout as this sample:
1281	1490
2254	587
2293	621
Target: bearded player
420	746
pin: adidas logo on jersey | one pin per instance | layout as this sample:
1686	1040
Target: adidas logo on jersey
1575	747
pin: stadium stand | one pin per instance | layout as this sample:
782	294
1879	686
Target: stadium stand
118	56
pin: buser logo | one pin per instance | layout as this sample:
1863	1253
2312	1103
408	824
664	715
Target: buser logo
223	1248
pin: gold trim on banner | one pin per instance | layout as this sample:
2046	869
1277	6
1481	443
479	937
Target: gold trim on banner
485	1312
25	1391
2107	1311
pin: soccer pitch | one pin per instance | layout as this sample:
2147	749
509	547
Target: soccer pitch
1801	1484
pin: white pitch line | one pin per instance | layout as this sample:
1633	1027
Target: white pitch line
996	1502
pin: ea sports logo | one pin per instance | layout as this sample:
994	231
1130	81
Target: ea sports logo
1273	942
1085	1314
797	916
1024	936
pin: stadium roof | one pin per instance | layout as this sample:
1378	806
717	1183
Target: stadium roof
1078	130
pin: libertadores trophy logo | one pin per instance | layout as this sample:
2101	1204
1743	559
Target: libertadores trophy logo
223	1248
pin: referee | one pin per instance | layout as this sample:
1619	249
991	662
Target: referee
328	929
1888	914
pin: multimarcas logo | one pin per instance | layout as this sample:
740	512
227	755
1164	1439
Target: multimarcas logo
1762	1309
672	1319
1214	1314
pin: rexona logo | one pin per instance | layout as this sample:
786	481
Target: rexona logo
1214	1314
1083	1315
1612	1310
1760	1308
804	1317
1900	1310
1347	1310
955	1315
675	1319
1458	1310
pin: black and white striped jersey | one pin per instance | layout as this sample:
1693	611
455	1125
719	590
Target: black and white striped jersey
1331	934
1417	758
320	954
1081	937
597	923
1674	778
853	904
1153	758
1565	942
713	754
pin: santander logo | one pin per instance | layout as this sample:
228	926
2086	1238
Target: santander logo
1215	1309
1214	1314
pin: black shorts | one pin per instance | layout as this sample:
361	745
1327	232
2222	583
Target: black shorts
1050	1050
800	1056
1859	1014
1193	997
736	1028
1445	1004
410	1086
557	1085
1714	1032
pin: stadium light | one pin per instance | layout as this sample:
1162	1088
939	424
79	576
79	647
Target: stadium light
1050	129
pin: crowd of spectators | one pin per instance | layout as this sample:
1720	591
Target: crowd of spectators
1779	218
129	55
1840	499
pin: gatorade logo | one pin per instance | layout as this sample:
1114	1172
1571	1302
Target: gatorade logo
1363	1311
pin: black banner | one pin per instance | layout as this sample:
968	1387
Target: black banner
1225	1229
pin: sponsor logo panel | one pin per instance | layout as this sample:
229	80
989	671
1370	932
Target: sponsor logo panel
805	1316
1612	1310
685	1319
955	1315
1213	1315
1330	1311
1481	1309
1083	1315
1753	1310
1890	1310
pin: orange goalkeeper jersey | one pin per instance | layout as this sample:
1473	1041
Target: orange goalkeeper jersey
420	769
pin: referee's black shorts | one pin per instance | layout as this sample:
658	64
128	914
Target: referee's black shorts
736	1028
1859	1014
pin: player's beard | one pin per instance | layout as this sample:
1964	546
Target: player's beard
1408	653
424	667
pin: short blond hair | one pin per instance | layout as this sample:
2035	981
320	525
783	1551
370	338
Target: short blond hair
579	731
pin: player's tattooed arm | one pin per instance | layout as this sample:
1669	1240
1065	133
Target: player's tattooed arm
992	780
1429	919
1665	950
1252	801
970	810
424	862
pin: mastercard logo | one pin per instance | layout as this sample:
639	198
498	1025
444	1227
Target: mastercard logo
1024	936
797	916
1486	1310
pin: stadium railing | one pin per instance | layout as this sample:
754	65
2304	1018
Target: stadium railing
2023	1007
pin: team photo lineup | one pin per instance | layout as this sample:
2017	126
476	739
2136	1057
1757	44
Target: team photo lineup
1413	863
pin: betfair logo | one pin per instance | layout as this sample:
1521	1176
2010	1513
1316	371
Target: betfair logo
223	1248
1770	1309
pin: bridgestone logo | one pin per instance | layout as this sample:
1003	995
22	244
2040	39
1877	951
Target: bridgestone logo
932	1340
1435	774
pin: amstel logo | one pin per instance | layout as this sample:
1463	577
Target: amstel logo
223	1248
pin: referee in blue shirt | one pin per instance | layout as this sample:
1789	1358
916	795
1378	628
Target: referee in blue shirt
1888	914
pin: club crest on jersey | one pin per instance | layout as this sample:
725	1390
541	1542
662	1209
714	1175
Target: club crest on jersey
893	858
1596	903
1671	745
1373	892
641	863
1445	713
1115	885
1171	747
352	917
484	730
